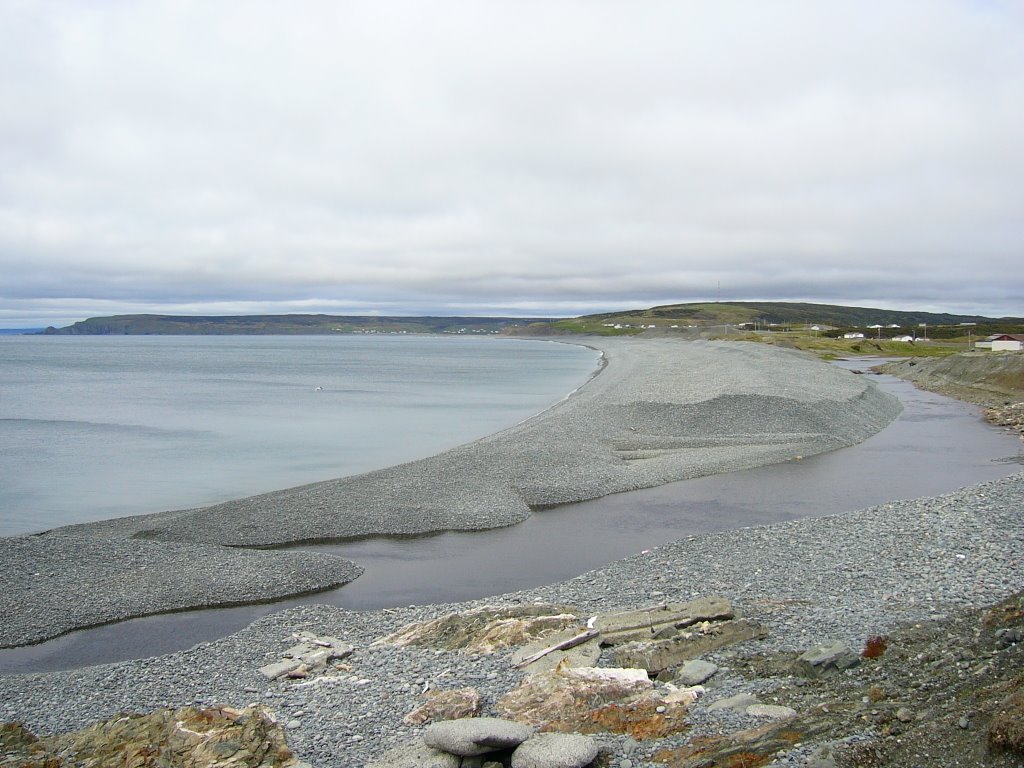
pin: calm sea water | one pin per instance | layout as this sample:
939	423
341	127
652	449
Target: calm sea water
93	427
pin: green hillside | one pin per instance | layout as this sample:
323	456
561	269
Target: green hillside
778	315
791	313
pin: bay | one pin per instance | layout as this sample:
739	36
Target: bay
96	427
936	445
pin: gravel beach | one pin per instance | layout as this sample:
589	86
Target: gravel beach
660	411
921	563
840	578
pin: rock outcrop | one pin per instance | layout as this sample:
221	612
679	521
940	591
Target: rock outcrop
219	737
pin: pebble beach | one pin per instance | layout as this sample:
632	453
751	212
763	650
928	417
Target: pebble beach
844	578
839	578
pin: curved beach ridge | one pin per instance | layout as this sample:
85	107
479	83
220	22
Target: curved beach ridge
661	411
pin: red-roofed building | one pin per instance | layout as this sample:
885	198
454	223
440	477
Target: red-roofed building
1003	342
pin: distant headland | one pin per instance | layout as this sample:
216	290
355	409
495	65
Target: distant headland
294	325
712	319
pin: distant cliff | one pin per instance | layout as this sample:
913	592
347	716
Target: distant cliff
252	325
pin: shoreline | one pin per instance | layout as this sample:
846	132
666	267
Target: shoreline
836	578
659	411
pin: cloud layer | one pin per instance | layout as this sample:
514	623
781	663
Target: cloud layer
508	157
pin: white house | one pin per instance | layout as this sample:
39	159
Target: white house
1004	342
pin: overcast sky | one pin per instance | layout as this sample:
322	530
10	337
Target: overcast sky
521	157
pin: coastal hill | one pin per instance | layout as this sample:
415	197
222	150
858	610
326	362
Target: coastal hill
252	325
775	314
770	315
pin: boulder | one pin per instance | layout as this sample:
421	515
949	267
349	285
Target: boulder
473	736
771	711
556	694
555	750
688	695
609	675
695	672
280	668
310	654
648	623
757	746
417	755
904	714
446	705
595	700
656	656
739	702
825	659
583	655
486	629
199	738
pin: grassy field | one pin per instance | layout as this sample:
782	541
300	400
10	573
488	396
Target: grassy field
833	348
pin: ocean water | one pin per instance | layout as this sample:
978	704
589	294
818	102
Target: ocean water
94	427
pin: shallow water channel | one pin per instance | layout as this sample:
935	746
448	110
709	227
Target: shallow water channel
936	445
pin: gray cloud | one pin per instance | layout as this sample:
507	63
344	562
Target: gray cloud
537	158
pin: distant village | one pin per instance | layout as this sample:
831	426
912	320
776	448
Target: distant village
997	342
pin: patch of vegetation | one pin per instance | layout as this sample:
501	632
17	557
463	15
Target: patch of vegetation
831	349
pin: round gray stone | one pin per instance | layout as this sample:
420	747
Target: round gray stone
415	756
555	750
473	736
695	672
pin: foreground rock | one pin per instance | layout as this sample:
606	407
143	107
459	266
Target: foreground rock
485	629
667	653
490	741
312	655
446	705
555	750
197	738
475	736
827	658
943	693
598	700
660	620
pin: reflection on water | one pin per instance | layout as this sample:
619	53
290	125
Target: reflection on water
937	445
